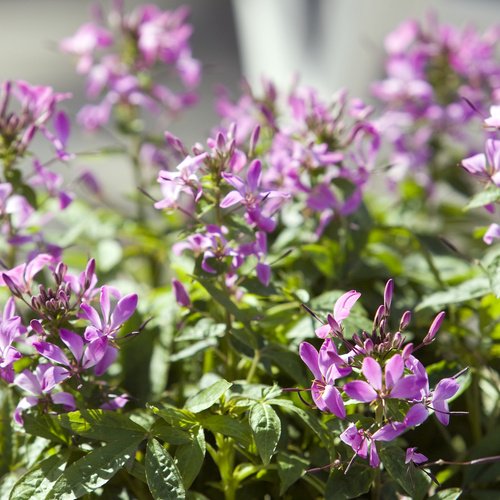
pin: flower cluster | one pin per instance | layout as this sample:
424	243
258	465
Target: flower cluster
63	363
35	111
315	162
383	372
121	58
438	78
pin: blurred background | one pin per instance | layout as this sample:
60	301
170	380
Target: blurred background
330	43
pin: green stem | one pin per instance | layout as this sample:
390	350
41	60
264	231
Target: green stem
253	366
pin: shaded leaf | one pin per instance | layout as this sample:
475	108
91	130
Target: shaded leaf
342	486
485	197
227	426
163	477
41	424
414	481
448	494
190	457
176	418
93	470
266	428
169	434
37	482
290	469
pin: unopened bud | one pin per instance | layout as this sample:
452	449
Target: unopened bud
357	340
181	295
405	321
254	139
221	144
231	133
231	146
368	346
37	327
336	328
13	288
198	149
397	340
407	350
389	290
434	328
382	328
176	143
89	273
378	316
60	273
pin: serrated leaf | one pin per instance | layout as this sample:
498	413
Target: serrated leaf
266	428
93	470
163	476
485	197
227	426
169	434
190	457
207	397
415	481
342	486
290	469
103	425
37	482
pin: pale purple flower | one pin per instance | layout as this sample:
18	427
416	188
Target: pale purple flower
85	355
249	194
492	233
493	121
327	366
111	321
22	275
413	456
40	385
394	385
362	443
10	330
485	166
341	310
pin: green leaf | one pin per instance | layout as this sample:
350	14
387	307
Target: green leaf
470	289
173	435
6	433
307	418
206	398
190	457
103	425
109	254
41	424
414	481
163	477
289	362
485	197
342	486
227	426
448	494
93	470
266	428
176	418
37	482
494	275
290	469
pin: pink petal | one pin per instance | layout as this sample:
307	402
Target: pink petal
334	401
360	391
373	373
394	370
123	310
231	199
344	304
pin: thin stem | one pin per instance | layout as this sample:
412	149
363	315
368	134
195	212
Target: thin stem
253	366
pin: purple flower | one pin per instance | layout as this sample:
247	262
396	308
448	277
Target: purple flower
485	166
40	385
341	311
110	322
413	456
362	443
326	367
396	384
10	330
249	194
492	233
85	355
181	295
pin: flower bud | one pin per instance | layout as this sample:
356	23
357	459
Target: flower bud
336	328
13	288
89	273
254	139
181	295
389	290
368	346
357	340
378	316
405	321
434	328
397	340
37	327
407	350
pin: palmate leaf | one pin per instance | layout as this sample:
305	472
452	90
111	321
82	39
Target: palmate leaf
266	428
93	470
37	482
162	475
103	425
